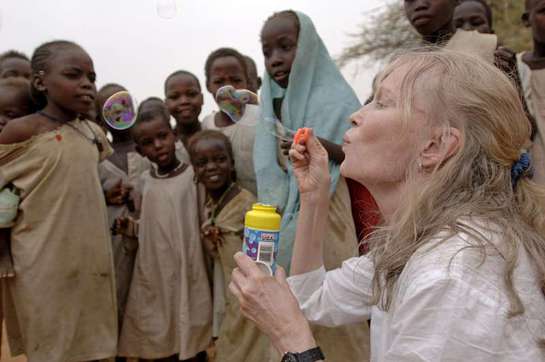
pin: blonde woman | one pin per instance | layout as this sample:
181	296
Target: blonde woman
457	271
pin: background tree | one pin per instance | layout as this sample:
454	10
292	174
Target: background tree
386	29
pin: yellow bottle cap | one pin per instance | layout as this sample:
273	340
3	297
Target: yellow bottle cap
263	217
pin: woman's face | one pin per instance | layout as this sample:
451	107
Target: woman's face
381	146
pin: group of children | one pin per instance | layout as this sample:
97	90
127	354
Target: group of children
124	246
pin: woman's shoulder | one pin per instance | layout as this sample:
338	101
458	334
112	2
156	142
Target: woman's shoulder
21	129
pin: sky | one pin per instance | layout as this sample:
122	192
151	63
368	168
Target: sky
138	43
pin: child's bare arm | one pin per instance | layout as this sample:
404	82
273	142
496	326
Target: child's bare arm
6	262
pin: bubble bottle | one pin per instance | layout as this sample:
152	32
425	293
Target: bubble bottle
261	235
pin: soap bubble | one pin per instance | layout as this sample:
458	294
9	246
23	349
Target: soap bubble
233	101
119	111
167	9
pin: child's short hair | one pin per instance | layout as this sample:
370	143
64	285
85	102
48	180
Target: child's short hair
487	8
182	72
12	54
109	86
21	87
40	62
221	53
209	134
291	14
152	108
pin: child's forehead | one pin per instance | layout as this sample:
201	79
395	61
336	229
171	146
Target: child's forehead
185	80
72	56
226	63
209	144
284	23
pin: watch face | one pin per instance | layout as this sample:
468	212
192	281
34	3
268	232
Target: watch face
290	357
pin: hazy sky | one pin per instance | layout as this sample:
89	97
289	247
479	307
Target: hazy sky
133	45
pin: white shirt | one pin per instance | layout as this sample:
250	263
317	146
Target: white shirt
447	306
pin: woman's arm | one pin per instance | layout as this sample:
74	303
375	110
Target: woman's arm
310	167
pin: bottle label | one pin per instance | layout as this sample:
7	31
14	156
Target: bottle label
261	246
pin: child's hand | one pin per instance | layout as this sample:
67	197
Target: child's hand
310	164
126	226
212	240
117	194
285	145
505	59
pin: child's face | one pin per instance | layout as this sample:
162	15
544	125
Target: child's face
471	15
15	67
156	141
279	44
534	17
70	81
429	16
226	71
13	104
184	99
212	163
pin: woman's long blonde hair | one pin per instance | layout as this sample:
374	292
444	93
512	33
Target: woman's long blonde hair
476	98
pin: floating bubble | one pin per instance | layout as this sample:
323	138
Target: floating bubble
167	9
119	111
232	101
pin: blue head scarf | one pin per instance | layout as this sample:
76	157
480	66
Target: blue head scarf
317	96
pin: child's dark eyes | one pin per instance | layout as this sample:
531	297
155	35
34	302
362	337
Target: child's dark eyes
173	96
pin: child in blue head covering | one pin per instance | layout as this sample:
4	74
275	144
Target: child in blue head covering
303	87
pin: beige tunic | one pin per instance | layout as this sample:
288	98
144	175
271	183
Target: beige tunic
61	305
474	43
124	248
242	136
239	338
169	305
533	86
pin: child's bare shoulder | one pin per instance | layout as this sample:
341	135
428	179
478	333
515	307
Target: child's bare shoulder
21	129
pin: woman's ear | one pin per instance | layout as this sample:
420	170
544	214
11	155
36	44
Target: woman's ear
443	144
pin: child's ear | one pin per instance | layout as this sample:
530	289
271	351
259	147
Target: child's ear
209	90
139	150
38	82
526	19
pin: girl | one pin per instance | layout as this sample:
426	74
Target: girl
303	88
226	66
15	100
14	64
61	305
184	100
119	173
474	15
226	205
168	312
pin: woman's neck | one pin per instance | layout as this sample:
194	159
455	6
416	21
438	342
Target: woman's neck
442	35
387	197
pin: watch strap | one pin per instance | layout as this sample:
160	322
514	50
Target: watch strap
311	355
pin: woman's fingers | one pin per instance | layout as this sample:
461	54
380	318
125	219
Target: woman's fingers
247	265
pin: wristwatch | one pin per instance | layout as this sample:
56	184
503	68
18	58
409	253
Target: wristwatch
311	355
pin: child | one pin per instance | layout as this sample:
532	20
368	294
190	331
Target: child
61	305
168	312
14	64
226	66
434	21
15	100
304	88
474	15
227	203
531	66
118	175
254	80
184	100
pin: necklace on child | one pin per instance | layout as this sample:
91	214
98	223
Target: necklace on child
176	171
94	140
216	205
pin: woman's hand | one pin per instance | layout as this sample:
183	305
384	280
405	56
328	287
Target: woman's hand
310	165
270	304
